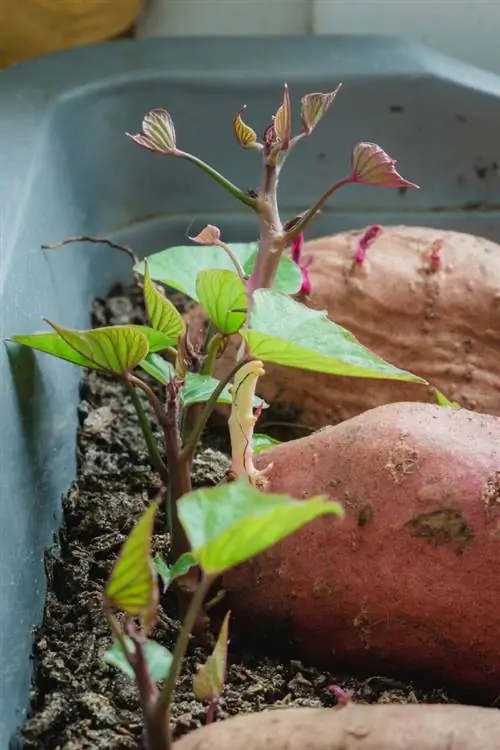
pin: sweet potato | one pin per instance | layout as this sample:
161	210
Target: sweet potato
409	582
354	727
440	320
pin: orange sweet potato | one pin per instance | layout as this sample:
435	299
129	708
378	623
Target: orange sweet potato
443	324
409	582
354	727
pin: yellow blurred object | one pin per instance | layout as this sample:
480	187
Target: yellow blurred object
29	28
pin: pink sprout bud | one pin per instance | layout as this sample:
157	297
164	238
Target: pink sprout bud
296	253
158	133
343	696
435	256
372	166
364	242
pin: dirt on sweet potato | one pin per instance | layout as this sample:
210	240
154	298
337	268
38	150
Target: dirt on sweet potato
409	580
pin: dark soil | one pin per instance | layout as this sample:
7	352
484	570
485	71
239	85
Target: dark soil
78	702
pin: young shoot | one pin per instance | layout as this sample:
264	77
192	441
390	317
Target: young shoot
225	526
251	290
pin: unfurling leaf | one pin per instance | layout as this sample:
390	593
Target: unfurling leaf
161	312
314	106
158	658
132	586
210	235
283	121
230	523
116	349
221	293
158	132
208	682
244	134
372	166
168	573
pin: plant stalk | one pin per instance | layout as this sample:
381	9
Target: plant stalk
193	439
271	229
152	446
311	212
164	701
219	178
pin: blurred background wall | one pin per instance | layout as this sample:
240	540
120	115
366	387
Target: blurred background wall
466	29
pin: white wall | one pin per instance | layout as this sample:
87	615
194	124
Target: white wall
466	29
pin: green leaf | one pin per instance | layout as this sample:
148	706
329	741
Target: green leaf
221	292
157	340
158	659
168	573
131	586
158	368
179	266
198	388
443	401
228	524
52	343
288	277
117	349
289	333
262	442
162	314
208	682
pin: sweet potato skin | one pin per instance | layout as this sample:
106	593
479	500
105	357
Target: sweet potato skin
354	727
408	583
443	324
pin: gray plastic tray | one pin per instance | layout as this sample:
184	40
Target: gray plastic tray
66	168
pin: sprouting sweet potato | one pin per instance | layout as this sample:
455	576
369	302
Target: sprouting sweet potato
354	727
409	582
425	300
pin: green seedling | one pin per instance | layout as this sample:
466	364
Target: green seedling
224	526
251	289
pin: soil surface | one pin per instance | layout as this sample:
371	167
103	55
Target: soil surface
80	703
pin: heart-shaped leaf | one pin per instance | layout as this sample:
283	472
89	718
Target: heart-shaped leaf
158	658
287	332
117	349
52	343
197	389
230	523
208	682
132	585
162	314
221	292
179	266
